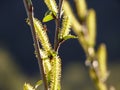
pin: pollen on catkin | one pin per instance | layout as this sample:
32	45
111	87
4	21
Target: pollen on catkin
55	73
65	27
46	60
51	4
46	64
42	35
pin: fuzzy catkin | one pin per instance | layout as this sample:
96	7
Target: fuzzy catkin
51	4
42	35
55	73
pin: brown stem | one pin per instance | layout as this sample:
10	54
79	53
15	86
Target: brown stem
57	21
29	10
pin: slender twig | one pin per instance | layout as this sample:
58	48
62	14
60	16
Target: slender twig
29	10
56	40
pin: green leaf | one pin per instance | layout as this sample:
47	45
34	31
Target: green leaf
49	15
38	84
27	86
48	18
69	37
49	12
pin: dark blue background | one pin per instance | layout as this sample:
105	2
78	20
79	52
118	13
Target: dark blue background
15	34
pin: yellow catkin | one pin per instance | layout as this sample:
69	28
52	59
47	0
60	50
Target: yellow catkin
76	26
81	8
55	73
51	4
91	26
65	26
46	61
74	22
46	65
42	35
102	57
98	83
101	86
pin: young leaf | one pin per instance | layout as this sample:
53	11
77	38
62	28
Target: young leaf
48	18
69	37
49	15
28	87
38	84
49	12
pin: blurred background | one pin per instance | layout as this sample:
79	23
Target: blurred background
18	63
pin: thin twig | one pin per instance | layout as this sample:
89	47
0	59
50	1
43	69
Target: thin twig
29	10
56	40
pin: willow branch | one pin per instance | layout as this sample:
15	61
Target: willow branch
29	11
56	40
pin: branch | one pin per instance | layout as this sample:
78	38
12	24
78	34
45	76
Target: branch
56	40
29	10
